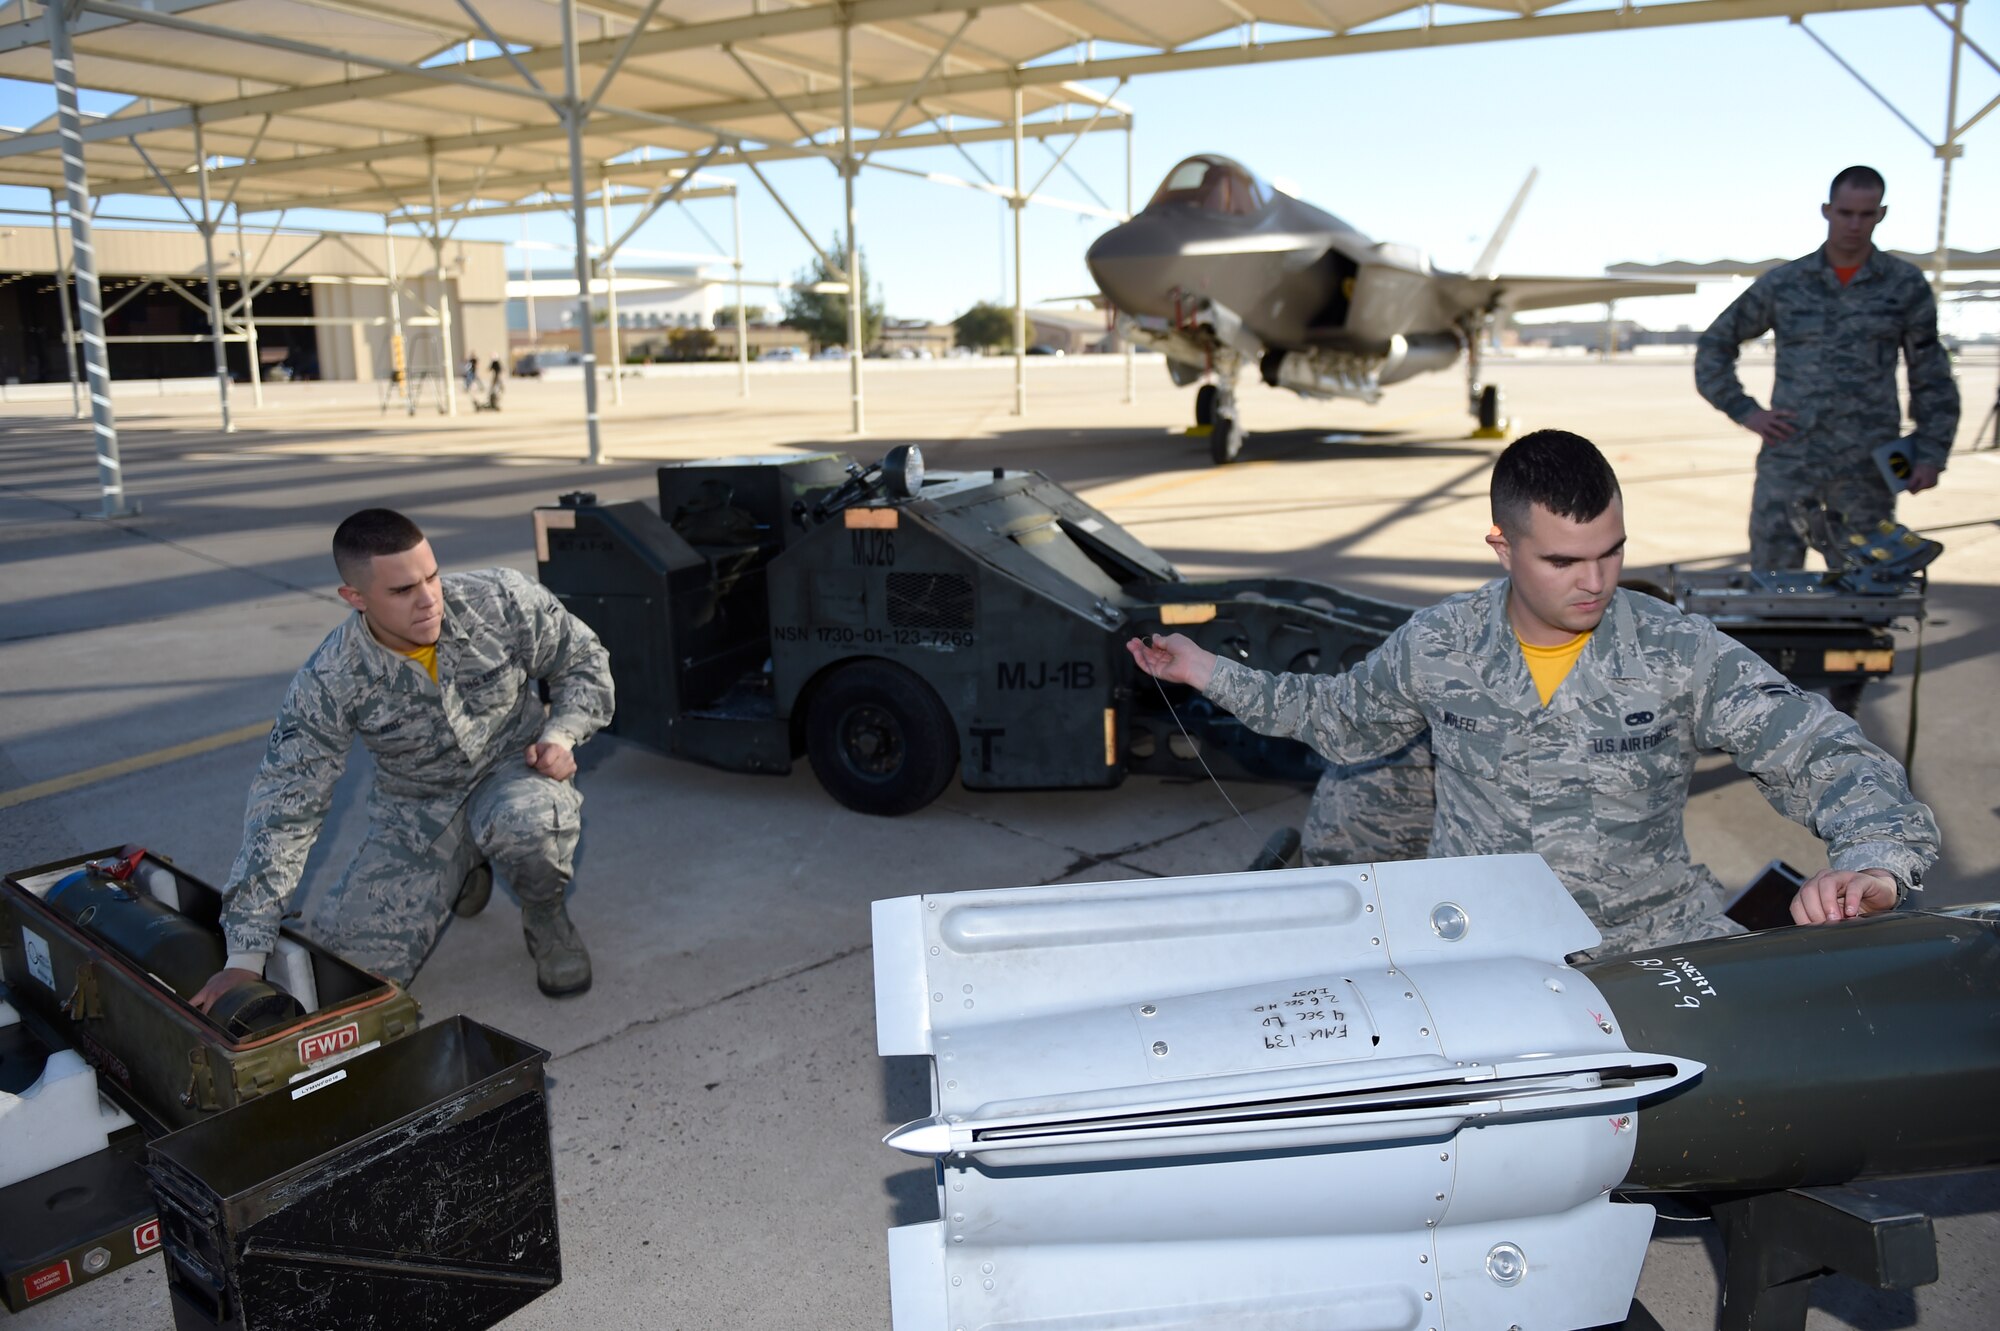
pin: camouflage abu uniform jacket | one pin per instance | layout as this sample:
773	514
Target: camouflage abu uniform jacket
431	741
1597	781
1837	359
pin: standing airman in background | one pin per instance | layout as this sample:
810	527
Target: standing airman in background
1841	315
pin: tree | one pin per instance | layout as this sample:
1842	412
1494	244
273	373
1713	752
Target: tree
985	325
726	316
822	315
690	344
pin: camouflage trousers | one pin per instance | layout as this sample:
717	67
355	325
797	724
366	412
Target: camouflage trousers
1383	810
1377	810
388	909
1801	500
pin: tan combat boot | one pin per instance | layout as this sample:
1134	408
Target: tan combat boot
562	966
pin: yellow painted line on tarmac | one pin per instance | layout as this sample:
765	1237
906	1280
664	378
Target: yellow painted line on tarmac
126	766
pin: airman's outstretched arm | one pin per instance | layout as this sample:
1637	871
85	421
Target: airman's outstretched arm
1817	768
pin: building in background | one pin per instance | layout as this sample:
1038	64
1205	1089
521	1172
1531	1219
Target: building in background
321	305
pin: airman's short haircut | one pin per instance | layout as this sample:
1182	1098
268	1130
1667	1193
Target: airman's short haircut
1858	177
371	532
1562	472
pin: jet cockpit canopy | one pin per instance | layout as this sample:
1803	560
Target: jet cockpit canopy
1213	184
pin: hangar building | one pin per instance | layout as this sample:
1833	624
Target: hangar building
319	307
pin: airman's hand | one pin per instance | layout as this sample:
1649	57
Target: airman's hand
552	760
1773	427
1923	476
1843	894
219	984
1174	658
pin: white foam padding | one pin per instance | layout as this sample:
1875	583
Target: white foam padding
59	1119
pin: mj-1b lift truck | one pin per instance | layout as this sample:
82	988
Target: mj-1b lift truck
898	628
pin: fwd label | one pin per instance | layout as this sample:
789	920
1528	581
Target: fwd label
326	1044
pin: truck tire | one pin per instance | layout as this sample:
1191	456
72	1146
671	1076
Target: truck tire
880	739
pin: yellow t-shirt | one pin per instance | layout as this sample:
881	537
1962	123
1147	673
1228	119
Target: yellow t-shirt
427	657
1550	666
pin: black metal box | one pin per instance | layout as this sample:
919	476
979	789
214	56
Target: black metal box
411	1187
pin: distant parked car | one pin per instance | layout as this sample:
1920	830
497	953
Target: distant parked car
531	365
830	353
781	354
1044	349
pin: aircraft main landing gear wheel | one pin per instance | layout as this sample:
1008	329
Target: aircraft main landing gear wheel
1225	439
1491	418
1204	404
881	740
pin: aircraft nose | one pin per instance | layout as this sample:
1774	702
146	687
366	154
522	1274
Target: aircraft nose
1133	264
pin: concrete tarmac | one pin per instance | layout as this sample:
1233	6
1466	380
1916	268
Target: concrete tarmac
716	1100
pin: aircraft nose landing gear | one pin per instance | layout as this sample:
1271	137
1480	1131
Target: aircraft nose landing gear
1483	400
1215	409
1492	420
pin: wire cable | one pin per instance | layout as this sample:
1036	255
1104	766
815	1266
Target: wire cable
1196	748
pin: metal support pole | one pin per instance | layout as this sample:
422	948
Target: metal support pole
62	299
742	319
1019	205
399	369
1610	330
436	229
572	113
608	266
857	287
1131	351
1949	151
528	272
83	256
208	270
249	315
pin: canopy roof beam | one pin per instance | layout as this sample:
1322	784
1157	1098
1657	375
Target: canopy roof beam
656	201
538	209
32	32
408	79
519	183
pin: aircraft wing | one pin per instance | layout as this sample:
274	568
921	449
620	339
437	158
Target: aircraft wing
1518	293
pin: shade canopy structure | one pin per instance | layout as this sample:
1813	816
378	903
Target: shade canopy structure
346	103
1955	261
433	111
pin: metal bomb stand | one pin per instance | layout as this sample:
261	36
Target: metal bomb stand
304	1156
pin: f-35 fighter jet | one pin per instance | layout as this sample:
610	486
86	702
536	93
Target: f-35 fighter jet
1222	272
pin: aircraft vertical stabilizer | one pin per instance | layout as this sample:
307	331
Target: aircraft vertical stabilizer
1490	256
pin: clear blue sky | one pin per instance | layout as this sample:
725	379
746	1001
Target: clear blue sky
1699	142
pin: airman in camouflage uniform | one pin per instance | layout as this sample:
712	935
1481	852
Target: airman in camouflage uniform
1835	399
451	787
1597	781
1584	757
